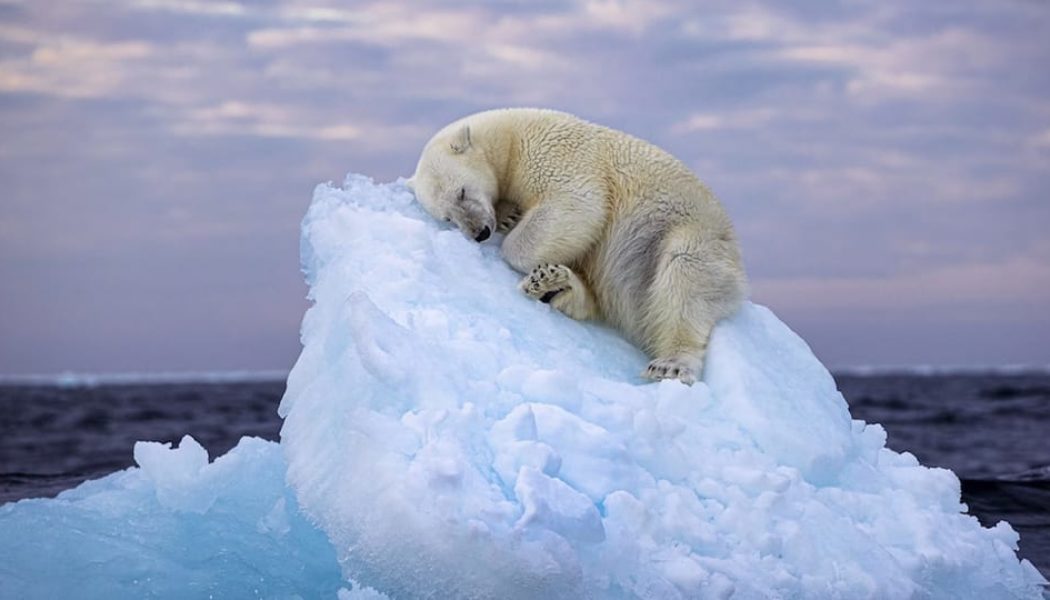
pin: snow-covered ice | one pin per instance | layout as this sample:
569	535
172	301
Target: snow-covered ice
175	527
454	438
447	437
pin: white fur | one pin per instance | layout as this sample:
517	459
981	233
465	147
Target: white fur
605	225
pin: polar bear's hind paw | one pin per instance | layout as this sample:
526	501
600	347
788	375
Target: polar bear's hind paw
671	368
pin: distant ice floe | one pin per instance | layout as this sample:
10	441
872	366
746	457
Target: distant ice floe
70	379
942	370
446	437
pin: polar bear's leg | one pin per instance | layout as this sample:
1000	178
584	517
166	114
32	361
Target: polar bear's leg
694	286
563	289
557	231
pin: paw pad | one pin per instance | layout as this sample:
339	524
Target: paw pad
547	281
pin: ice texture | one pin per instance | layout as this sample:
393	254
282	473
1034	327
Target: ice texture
176	527
455	439
447	437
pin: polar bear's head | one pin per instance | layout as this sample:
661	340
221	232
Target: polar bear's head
455	182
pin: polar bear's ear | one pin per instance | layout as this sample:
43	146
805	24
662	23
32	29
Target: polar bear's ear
461	141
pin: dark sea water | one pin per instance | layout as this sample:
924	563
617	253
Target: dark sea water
992	430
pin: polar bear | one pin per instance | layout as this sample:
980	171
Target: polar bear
604	225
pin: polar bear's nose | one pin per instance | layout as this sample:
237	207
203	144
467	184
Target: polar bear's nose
483	235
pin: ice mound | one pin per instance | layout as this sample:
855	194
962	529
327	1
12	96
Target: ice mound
454	439
445	437
178	527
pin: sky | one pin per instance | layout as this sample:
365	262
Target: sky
885	162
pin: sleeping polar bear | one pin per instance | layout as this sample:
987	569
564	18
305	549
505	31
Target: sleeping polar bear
605	225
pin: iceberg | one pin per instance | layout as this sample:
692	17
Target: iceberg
455	439
446	437
176	526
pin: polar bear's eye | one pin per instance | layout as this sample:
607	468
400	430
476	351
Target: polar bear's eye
462	194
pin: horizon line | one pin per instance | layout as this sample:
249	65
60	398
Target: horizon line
88	379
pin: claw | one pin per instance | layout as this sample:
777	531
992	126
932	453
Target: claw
671	368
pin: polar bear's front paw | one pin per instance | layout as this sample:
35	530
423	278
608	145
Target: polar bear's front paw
675	367
547	281
508	220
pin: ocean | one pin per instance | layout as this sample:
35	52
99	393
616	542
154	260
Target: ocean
993	430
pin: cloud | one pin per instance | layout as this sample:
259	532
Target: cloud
210	8
1018	284
387	25
70	66
1041	140
263	120
864	149
739	119
632	16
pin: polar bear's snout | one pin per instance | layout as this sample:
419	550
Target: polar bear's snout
475	220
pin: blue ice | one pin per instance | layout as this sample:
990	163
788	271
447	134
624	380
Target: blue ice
446	437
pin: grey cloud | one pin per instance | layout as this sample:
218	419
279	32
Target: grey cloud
157	156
